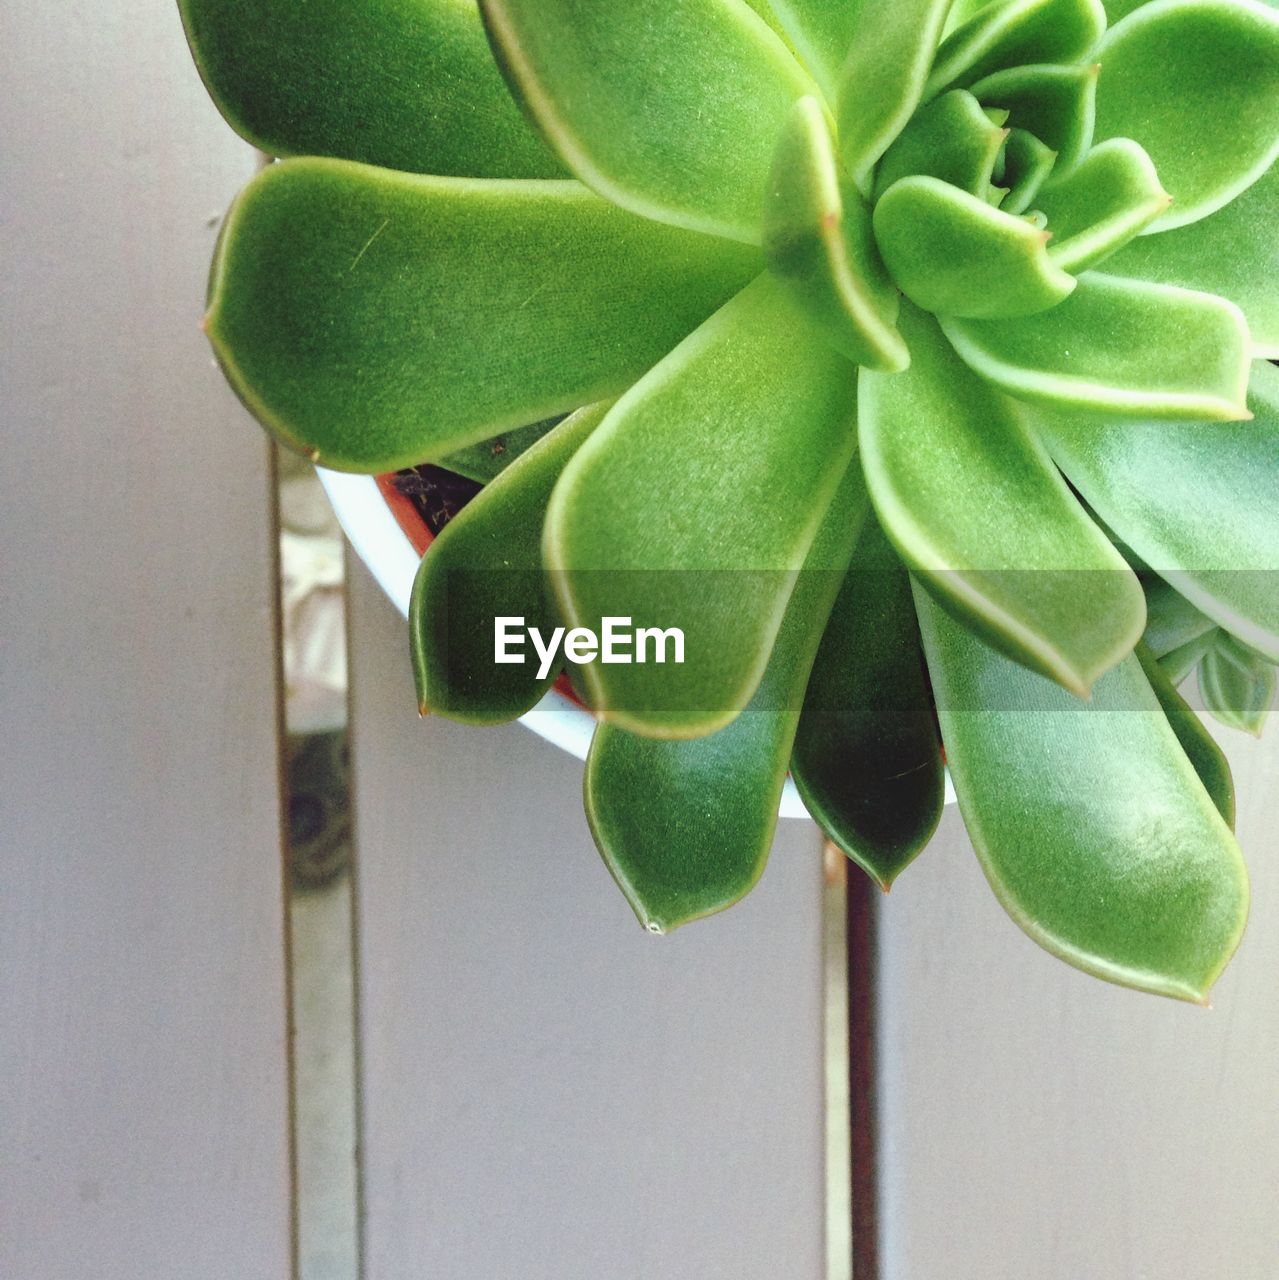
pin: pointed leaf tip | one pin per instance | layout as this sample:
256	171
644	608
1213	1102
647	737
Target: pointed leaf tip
1196	83
953	254
1090	823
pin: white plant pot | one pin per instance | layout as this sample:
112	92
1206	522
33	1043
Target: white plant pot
391	558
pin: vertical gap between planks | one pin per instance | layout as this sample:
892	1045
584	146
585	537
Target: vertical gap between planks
286	878
836	1064
862	916
317	834
357	1018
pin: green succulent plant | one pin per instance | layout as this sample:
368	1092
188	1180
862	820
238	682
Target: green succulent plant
884	328
1236	683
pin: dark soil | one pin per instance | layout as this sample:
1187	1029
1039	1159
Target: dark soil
437	494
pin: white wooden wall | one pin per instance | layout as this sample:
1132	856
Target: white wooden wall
549	1092
1035	1122
143	1074
546	1092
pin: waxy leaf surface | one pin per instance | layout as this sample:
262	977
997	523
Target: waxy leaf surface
1207	758
670	111
409	84
1016	33
1027	164
486	563
1171	620
867	757
1233	253
975	507
952	138
818	240
695	504
954	254
882	80
487	459
1057	104
1236	685
1196	82
685	826
1107	201
1090	822
377	319
823	31
1119	347
1196	501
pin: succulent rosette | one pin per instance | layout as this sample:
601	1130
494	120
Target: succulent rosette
885	331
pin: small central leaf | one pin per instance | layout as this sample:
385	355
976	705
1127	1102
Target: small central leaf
1107	201
1015	33
1237	686
1028	162
952	138
954	254
1057	104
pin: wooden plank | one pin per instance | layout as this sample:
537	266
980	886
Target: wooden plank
143	1083
548	1092
1036	1122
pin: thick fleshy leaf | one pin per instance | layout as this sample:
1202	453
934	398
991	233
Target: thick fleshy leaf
952	138
1237	686
1119	9
487	460
1180	662
883	78
1200	504
685	826
1016	33
975	507
1058	104
1207	758
377	319
1091	824
408	84
867	757
1119	347
961	11
1027	165
670	111
818	240
822	32
765	10
1196	82
695	504
1234	253
1171	620
486	565
1102	205
954	254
